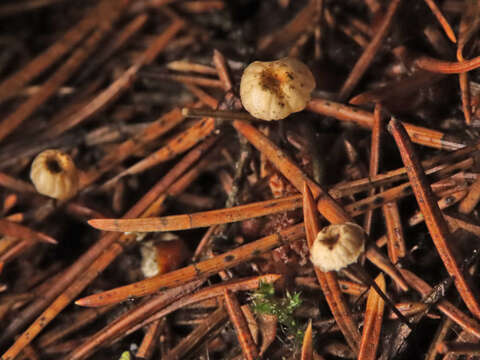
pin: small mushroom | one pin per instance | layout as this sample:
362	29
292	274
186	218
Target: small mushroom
338	246
161	257
53	173
273	90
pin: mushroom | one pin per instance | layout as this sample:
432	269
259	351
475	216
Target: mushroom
54	174
273	90
338	246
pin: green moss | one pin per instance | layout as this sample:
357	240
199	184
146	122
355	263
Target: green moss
264	301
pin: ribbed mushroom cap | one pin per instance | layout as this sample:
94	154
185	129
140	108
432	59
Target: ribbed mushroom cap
337	246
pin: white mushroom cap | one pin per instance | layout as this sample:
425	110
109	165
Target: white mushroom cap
337	246
273	90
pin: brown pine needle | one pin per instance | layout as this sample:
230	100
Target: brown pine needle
373	322
94	261
121	324
434	220
418	134
369	53
187	343
469	324
214	291
177	145
12	229
79	56
10	86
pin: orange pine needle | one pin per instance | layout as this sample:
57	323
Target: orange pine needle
201	219
418	134
447	67
201	269
369	53
441	19
434	220
328	281
35	67
12	229
469	324
372	324
244	335
26	109
307	346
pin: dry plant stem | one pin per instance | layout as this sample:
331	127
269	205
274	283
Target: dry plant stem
123	83
307	345
470	202
121	324
237	317
369	53
85	261
26	109
10	86
372	322
374	164
193	339
211	292
217	114
203	269
441	19
328	281
448	309
420	135
434	220
149	341
12	229
446	67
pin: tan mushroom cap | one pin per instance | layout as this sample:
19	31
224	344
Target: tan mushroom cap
53	173
337	246
273	90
